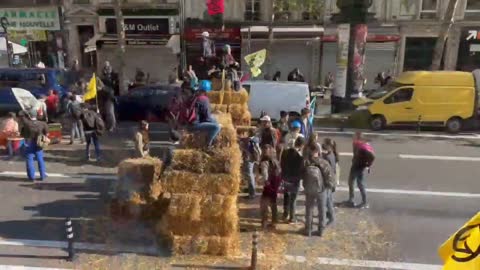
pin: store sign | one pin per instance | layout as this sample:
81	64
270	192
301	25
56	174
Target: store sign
41	18
140	26
473	35
138	42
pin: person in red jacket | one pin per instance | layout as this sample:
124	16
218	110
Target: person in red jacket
52	101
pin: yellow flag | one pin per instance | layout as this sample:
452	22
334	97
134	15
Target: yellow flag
462	250
255	61
91	89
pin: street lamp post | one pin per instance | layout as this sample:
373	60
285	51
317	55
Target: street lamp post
4	24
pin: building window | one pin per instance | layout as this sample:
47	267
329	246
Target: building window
418	53
429	9
252	10
473	9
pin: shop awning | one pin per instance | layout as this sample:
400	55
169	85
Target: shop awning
284	31
17	48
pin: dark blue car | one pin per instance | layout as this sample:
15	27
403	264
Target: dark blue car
147	103
36	80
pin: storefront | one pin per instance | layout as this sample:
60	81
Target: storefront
380	55
469	49
39	30
146	37
293	47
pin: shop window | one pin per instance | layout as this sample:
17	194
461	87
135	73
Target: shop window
252	10
473	9
418	53
468	51
429	9
402	95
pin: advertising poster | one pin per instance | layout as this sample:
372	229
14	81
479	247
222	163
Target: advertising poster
343	35
358	70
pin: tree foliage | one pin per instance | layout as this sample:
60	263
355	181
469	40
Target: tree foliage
314	7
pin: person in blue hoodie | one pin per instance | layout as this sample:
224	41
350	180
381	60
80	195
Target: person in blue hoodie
204	121
306	128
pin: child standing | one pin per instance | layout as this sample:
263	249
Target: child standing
331	156
271	173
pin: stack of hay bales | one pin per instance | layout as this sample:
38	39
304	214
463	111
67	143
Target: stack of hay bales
138	187
202	215
233	102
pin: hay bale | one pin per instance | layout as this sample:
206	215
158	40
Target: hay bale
135	177
229	97
226	138
209	184
224	119
201	245
218	108
244	120
221	160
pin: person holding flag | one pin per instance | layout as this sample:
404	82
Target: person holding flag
93	124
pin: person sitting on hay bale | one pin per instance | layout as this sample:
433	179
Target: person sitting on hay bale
198	115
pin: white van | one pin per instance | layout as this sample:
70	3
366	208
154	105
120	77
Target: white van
273	97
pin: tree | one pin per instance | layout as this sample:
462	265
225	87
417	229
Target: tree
448	21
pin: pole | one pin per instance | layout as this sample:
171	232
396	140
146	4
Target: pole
183	53
4	24
121	46
253	262
69	231
448	21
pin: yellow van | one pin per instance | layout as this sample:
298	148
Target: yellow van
433	98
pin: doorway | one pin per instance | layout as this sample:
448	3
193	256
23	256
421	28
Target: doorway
85	33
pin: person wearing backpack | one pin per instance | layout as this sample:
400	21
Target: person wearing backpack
271	174
93	127
74	112
251	154
330	154
35	134
199	118
317	178
292	163
363	157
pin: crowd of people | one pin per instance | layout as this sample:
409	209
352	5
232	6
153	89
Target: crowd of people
289	155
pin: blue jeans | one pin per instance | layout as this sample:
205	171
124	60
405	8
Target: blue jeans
92	137
33	152
250	176
358	175
77	130
330	205
319	201
210	128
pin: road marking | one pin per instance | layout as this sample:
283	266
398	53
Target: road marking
422	135
375	264
21	267
150	250
61	175
427	157
418	192
346	154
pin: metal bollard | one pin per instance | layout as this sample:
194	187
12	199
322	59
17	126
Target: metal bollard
253	263
69	229
419	123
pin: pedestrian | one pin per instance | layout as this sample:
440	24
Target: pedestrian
93	127
306	127
52	102
74	112
35	134
271	174
276	76
142	140
8	128
251	153
198	116
329	80
283	125
296	76
330	154
312	142
328	142
41	109
191	77
291	164
363	157
267	134
109	107
317	177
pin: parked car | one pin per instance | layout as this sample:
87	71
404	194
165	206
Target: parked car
146	103
36	80
433	98
15	100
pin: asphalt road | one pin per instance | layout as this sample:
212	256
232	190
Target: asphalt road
415	223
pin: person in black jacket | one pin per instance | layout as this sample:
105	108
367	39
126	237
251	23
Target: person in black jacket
93	127
31	130
291	163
